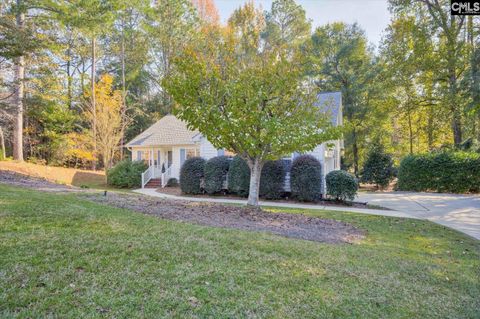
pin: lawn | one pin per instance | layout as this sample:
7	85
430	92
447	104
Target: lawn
62	256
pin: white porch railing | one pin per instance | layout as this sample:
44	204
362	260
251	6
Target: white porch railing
148	175
166	176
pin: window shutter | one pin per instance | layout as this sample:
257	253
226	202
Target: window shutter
182	156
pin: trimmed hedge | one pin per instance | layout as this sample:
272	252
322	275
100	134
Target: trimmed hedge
215	173
451	172
239	177
306	178
341	185
272	180
126	174
378	168
191	175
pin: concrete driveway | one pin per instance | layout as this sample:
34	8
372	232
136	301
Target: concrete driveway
461	212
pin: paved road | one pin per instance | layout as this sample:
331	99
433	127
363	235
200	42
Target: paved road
461	212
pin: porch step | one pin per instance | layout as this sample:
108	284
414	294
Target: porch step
154	183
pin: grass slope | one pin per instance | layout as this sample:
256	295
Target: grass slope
65	257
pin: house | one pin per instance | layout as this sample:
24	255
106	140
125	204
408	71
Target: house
166	145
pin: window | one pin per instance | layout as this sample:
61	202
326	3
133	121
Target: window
192	152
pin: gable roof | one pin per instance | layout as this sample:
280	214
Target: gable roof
169	130
331	102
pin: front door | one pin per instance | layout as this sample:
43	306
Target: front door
169	158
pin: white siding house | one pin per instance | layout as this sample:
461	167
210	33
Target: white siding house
168	143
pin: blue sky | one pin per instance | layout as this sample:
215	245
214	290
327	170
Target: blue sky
371	15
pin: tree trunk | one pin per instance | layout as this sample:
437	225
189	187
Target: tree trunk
2	143
255	172
410	132
124	92
355	152
69	76
19	94
452	92
94	107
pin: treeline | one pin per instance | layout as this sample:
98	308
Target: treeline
78	78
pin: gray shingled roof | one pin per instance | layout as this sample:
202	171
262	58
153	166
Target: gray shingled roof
331	102
169	130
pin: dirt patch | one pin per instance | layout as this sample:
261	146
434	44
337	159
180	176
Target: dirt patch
63	175
238	217
16	179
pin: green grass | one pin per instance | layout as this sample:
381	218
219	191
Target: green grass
62	256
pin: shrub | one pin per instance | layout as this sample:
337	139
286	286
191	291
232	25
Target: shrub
191	175
306	178
126	174
378	168
447	171
172	182
239	177
272	180
341	185
215	171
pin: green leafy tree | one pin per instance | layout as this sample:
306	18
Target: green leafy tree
340	60
246	97
286	24
451	46
378	169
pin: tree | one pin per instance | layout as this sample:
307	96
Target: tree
410	61
206	11
451	45
107	116
378	167
19	90
286	24
340	60
93	17
170	26
248	98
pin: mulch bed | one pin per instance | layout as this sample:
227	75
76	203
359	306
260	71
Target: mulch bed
238	217
177	192
209	214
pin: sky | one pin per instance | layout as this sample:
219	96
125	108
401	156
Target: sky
371	15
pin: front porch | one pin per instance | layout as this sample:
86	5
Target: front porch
164	162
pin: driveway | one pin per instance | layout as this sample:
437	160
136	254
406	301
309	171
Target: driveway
461	212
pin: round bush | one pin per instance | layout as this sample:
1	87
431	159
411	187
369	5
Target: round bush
447	171
126	174
215	171
172	182
272	180
341	185
306	178
191	175
239	177
378	168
